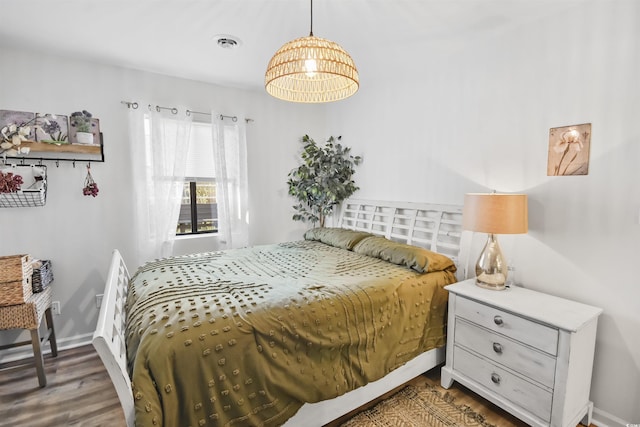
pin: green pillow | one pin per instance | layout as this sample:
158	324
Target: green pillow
338	237
419	259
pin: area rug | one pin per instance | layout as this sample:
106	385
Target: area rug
418	406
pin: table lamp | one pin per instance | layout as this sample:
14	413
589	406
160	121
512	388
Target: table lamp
494	213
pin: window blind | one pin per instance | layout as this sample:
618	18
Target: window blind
200	162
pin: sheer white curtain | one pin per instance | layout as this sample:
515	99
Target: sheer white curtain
159	142
230	156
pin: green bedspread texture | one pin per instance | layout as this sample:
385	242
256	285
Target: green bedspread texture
245	337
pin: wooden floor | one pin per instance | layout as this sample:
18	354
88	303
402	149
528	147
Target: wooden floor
79	393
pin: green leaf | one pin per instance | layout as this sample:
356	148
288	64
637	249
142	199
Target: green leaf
323	180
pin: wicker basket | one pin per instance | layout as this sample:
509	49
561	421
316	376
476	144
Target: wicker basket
12	293
15	279
42	276
28	315
14	268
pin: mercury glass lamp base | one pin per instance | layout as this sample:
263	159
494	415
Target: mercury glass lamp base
491	268
495	282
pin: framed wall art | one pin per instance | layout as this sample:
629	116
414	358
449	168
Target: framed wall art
18	118
52	128
569	148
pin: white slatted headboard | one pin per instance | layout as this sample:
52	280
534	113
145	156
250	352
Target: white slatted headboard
431	226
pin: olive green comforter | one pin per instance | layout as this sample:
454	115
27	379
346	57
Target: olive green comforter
245	337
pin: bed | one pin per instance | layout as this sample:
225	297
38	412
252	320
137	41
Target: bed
296	333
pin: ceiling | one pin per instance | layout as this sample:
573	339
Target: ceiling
178	37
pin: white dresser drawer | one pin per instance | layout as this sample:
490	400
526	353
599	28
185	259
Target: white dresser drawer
526	331
500	381
536	365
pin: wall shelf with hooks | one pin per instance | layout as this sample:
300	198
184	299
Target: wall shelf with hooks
44	151
37	147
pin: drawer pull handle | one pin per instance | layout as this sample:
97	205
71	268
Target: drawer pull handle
498	320
495	378
497	347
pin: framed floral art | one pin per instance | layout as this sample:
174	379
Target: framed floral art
52	128
569	150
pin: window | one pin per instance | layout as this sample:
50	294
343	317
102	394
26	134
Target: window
199	208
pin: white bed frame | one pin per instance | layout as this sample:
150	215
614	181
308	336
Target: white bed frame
434	227
109	337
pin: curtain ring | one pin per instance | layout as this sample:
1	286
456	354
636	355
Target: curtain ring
133	105
174	110
233	118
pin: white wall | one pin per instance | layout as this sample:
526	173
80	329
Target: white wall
441	124
77	232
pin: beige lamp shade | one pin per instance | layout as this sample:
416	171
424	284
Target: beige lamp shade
311	70
495	213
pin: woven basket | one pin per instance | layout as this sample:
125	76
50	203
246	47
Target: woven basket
42	276
15	268
12	293
15	279
27	315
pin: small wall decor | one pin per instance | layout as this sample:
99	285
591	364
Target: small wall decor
50	136
52	128
84	128
20	119
15	127
90	186
569	150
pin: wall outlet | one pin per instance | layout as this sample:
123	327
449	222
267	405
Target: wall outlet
99	300
55	308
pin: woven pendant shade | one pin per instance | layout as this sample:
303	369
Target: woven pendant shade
311	69
333	78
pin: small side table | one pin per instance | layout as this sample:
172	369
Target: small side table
28	316
528	352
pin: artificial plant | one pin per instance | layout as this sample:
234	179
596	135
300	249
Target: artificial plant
323	180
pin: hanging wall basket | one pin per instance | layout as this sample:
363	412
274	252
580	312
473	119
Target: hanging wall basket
33	190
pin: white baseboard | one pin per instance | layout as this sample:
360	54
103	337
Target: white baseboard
604	419
26	351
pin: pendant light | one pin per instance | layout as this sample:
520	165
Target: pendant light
311	70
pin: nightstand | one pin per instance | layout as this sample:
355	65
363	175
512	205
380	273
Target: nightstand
529	353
